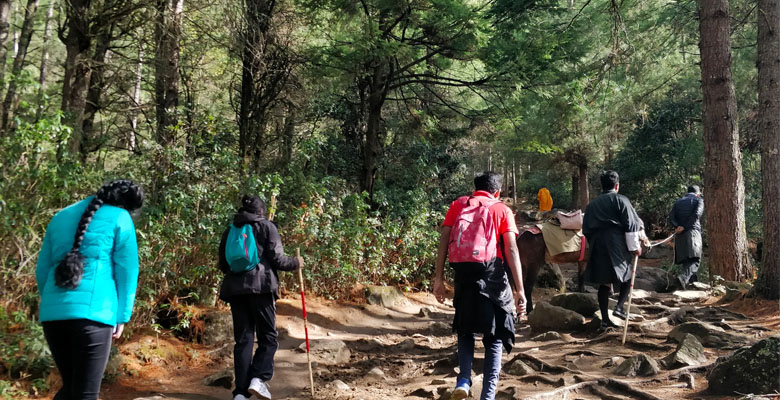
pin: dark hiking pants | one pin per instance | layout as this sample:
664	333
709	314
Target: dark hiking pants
690	268
80	349
253	314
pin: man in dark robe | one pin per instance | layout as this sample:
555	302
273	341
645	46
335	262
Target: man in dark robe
612	228
685	217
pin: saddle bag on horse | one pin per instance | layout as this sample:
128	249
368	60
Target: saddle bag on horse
474	236
571	220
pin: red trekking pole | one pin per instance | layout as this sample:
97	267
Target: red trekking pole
305	325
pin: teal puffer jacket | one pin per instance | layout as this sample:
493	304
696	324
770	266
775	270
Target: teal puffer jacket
107	290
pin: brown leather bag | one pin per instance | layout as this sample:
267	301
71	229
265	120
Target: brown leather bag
571	220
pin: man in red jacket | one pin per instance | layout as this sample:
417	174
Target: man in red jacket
485	301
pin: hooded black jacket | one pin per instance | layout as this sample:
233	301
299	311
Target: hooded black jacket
264	278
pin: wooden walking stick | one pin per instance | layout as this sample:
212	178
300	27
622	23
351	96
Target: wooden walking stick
628	308
305	324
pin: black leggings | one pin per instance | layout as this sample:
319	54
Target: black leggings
253	314
80	349
603	296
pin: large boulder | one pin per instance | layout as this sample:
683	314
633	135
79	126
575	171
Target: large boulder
654	279
551	277
217	327
637	365
583	303
659	252
385	296
328	351
547	317
689	353
754	369
709	335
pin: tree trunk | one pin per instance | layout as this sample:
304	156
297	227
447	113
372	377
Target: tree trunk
97	83
44	60
133	132
11	101
288	134
5	27
166	85
5	24
575	190
257	93
768	62
725	210
372	148
514	185
583	185
75	85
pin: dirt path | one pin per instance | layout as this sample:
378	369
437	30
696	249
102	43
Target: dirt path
413	349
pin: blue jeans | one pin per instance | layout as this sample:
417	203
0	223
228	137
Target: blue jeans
492	362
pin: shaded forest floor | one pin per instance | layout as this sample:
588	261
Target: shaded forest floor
408	351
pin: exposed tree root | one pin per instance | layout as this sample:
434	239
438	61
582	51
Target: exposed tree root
632	343
599	387
544	379
620	386
543	366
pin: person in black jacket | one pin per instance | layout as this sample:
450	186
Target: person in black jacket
684	217
252	297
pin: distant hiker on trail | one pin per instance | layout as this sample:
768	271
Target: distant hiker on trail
545	200
612	228
684	217
87	275
479	237
250	254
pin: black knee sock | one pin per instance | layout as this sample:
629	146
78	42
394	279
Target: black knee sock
603	295
624	289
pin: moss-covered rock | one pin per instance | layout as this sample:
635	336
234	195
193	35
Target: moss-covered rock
754	369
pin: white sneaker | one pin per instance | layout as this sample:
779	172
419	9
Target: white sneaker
259	389
240	397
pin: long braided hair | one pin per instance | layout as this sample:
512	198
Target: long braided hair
120	193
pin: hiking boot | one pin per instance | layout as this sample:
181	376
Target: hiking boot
240	397
620	313
608	325
259	389
461	390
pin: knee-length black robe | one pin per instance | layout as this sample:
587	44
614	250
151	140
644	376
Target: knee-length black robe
607	219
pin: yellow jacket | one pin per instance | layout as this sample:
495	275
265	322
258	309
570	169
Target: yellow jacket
545	200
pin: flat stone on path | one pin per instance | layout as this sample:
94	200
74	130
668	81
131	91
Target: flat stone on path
689	353
709	335
547	317
328	351
637	365
691	295
752	369
583	303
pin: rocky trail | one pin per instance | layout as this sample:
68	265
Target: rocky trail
395	346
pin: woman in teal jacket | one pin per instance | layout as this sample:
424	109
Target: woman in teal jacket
87	274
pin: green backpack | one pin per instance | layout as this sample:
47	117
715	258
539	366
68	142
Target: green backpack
241	249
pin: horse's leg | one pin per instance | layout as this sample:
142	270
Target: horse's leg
529	281
531	249
581	266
